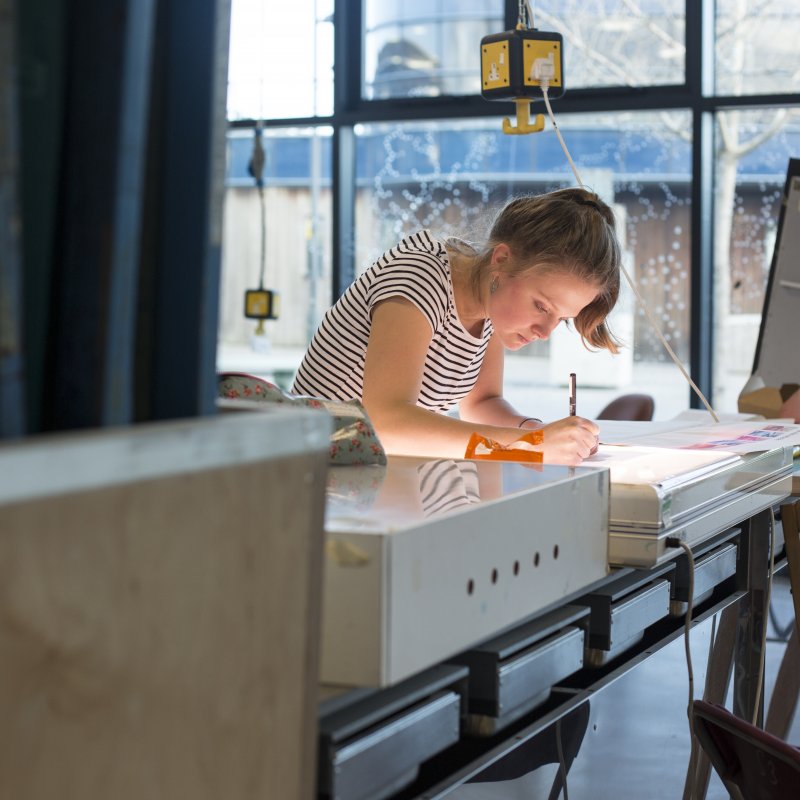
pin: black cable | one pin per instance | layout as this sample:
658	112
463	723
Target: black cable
255	167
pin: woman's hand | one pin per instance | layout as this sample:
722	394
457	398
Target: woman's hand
569	440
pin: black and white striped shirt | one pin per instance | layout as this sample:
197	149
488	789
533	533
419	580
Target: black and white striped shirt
417	269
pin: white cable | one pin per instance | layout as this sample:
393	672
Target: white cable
558	133
639	298
525	16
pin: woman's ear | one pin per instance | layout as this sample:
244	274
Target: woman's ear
500	254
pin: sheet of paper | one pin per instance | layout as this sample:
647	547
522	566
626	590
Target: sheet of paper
699	416
733	437
613	431
643	465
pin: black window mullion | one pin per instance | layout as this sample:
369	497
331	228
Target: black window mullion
343	179
700	63
348	35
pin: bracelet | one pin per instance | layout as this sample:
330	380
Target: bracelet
528	419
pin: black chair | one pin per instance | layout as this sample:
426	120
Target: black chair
637	407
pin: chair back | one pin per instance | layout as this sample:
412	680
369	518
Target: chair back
637	407
751	762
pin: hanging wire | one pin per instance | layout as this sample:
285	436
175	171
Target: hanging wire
259	158
525	15
256	169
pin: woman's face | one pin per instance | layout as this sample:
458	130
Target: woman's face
524	308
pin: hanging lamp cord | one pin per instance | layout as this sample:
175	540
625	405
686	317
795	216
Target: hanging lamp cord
256	169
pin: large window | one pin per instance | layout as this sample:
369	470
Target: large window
281	59
618	43
425	48
280	236
451	177
756	47
406	141
753	151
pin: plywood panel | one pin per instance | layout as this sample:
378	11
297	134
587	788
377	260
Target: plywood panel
160	639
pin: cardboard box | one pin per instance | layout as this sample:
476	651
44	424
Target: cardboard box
768	401
791	408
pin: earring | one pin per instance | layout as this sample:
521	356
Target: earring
493	287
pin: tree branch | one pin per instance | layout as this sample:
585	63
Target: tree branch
675	127
591	54
651	26
733	28
725	133
778	121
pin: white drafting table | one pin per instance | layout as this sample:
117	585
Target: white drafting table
690	494
427	557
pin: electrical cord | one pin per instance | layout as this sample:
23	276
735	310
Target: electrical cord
550	114
525	17
256	169
673	541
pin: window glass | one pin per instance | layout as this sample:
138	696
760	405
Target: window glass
281	59
426	48
618	43
753	151
297	226
756	47
451	177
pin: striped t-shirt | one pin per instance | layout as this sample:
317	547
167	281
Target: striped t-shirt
417	269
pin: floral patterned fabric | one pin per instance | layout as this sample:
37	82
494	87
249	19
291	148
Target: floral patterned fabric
353	439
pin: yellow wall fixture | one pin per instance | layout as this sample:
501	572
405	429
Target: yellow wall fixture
515	65
261	303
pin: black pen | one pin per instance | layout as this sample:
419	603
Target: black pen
573	394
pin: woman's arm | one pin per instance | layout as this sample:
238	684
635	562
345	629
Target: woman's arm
564	439
398	344
485	404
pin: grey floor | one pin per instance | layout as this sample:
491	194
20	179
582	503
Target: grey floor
637	741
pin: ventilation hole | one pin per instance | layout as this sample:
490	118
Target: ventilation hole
555	551
494	575
535	559
516	567
470	586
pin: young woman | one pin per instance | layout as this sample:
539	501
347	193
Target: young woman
425	327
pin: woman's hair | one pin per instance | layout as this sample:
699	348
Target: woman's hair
568	230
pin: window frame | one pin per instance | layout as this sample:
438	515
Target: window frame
696	94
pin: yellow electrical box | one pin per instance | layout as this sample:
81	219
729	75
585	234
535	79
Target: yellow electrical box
261	304
513	64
